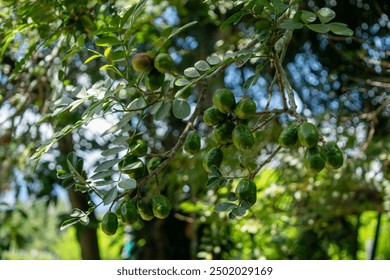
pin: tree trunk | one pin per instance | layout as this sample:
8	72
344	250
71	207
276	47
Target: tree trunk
86	235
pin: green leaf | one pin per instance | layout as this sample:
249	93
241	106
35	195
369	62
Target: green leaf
110	196
77	213
308	17
89	59
106	165
214	60
112	151
68	223
212	181
202	65
224	206
184	27
181	82
181	109
325	15
107	41
266	4
118	55
163	110
291	24
103	174
319	28
233	19
128	184
191	72
214	171
134	165
84	220
340	29
278	6
232	196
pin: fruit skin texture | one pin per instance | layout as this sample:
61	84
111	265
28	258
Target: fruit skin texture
142	62
129	212
161	206
308	135
245	108
154	80
110	223
289	136
246	190
163	62
140	148
223	133
224	100
334	158
213	157
192	144
314	159
243	138
145	209
212	116
135	173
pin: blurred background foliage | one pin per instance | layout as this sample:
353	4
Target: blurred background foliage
342	84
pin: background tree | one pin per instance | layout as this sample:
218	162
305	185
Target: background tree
71	65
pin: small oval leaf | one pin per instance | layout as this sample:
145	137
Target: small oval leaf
202	65
213	60
128	184
181	109
191	72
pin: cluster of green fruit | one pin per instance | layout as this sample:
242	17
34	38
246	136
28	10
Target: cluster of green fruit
229	120
316	156
155	68
130	212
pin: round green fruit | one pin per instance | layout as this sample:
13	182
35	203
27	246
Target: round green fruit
132	166
142	62
314	159
129	212
246	191
222	133
334	158
243	138
245	108
224	100
110	223
160	206
163	62
154	80
192	144
308	135
289	136
153	163
213	157
145	209
212	116
139	148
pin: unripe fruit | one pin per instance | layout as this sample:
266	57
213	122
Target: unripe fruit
163	62
213	157
289	136
314	159
139	148
334	158
129	212
224	100
153	163
154	80
161	206
110	223
192	144
242	137
142	62
145	209
223	133
308	135
245	108
246	191
212	116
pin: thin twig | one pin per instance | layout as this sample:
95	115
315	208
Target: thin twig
269	158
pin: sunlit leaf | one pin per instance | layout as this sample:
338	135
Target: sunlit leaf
325	15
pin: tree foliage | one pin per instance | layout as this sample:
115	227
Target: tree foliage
119	92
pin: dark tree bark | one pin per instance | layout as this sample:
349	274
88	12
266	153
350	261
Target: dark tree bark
86	235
